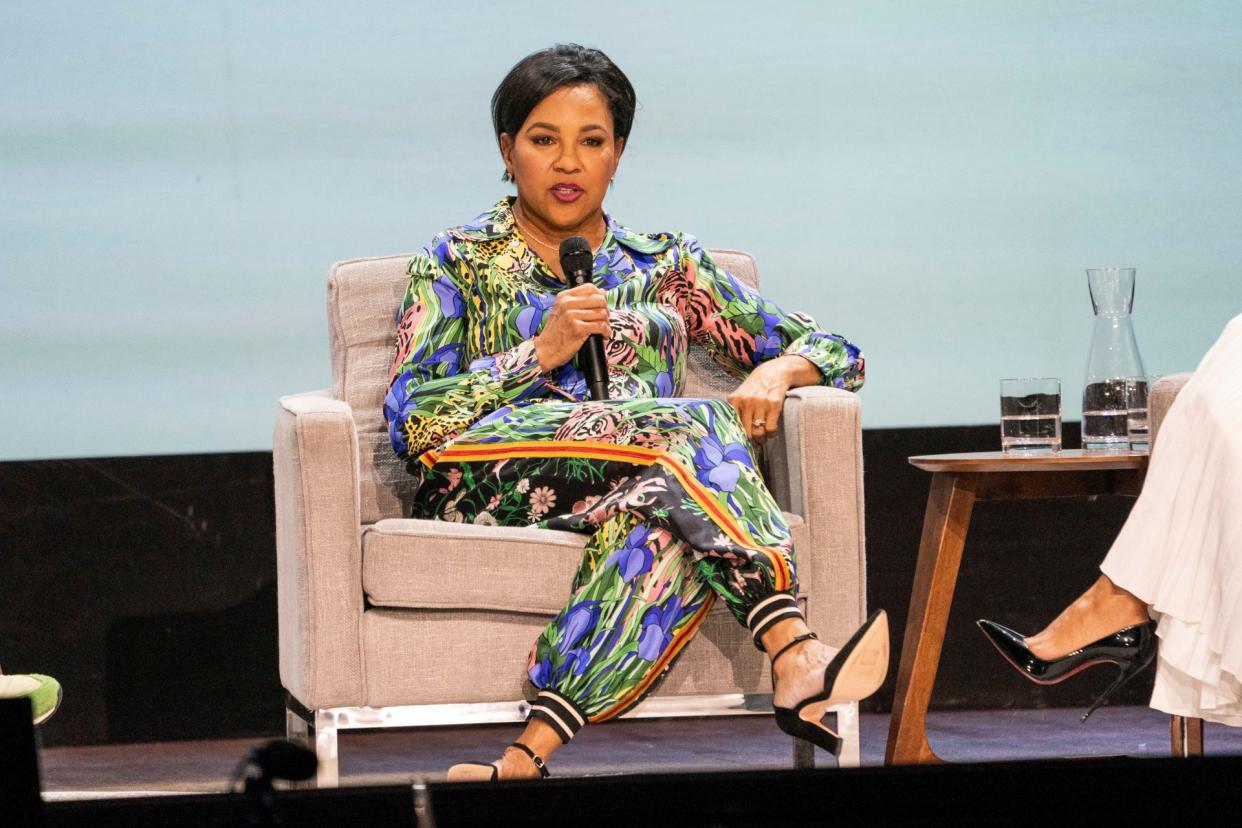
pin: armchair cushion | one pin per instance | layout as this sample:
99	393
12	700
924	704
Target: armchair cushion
432	564
435	564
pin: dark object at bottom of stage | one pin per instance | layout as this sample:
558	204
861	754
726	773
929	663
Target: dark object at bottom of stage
1082	791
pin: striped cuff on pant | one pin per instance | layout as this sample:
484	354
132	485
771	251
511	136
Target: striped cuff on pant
559	712
776	607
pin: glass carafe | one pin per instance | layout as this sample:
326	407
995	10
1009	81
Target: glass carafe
1114	396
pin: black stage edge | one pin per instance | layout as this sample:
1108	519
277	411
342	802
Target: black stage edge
125	574
1079	792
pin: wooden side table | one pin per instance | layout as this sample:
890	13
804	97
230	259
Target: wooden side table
958	480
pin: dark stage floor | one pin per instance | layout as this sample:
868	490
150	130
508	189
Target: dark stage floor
386	757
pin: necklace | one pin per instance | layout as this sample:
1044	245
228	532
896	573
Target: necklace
526	231
533	237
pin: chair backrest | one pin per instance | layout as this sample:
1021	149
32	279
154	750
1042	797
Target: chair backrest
363	297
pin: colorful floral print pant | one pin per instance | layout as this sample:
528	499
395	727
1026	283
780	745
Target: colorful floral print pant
677	514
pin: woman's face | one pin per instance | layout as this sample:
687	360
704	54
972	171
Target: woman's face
563	158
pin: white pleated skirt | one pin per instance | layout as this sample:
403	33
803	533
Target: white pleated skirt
1181	549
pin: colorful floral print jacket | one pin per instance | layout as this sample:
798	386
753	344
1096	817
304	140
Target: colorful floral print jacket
478	295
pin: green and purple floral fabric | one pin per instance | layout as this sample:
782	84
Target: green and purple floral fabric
667	488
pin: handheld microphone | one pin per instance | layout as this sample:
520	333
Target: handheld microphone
576	262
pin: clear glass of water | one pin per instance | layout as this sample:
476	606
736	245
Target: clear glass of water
1136	412
1030	415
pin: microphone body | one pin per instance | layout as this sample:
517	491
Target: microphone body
577	262
280	759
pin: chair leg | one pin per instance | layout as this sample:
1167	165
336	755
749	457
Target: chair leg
1187	736
847	729
851	743
301	733
318	735
803	755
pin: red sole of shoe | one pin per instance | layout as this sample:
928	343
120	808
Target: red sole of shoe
1034	680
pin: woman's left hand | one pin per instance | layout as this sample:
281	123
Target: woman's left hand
761	396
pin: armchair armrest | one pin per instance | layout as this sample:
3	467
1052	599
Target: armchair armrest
814	469
318	552
1160	399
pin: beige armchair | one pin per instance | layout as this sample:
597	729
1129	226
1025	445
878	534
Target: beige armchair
387	621
1186	734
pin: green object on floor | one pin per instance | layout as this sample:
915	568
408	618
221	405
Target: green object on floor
44	693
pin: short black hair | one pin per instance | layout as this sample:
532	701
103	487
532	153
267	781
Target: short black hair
541	73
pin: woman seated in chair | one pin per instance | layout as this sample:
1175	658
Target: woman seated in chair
1174	574
487	404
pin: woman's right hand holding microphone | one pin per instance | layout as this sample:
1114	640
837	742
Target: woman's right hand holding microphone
576	313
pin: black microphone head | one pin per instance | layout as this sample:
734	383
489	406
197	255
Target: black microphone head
280	759
576	260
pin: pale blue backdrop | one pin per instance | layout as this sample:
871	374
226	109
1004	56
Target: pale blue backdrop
928	178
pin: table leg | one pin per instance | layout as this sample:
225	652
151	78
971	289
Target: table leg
1187	736
949	505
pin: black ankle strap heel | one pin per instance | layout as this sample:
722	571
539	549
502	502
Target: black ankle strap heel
798	639
855	672
535	758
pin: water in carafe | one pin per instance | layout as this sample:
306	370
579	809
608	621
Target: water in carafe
1114	397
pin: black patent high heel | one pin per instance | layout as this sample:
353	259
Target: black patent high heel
854	673
1131	649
